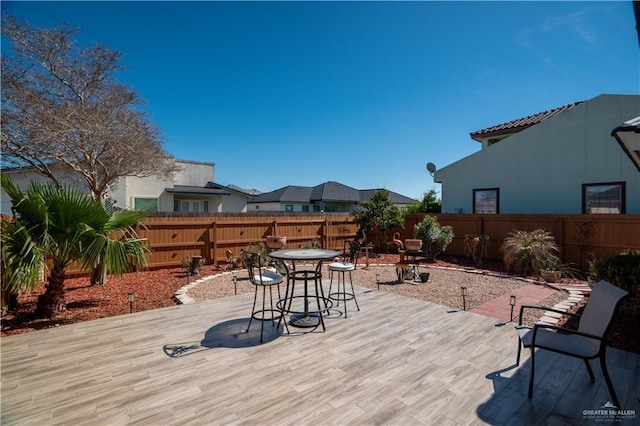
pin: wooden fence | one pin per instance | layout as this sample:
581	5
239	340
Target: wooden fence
579	237
173	238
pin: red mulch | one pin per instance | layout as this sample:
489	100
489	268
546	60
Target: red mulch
154	289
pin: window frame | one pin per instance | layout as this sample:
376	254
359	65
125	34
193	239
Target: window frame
623	196
193	205
479	190
135	202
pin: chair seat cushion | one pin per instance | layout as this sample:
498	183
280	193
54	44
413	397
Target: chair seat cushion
268	278
341	266
580	346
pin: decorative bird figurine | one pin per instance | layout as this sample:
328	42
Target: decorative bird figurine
397	241
362	240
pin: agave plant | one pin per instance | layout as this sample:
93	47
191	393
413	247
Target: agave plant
527	253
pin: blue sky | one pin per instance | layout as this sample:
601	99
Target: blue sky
363	93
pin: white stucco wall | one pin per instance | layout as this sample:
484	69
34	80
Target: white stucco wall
194	173
23	178
542	169
232	204
191	173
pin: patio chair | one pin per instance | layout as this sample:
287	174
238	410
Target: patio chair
264	280
587	342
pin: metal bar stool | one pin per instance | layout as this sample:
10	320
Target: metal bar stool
350	256
264	280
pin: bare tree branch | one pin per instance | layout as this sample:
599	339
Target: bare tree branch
61	105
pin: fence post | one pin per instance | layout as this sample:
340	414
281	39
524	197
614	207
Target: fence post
213	230
561	236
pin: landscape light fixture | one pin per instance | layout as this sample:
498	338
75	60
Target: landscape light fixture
378	280
512	302
235	283
130	298
463	292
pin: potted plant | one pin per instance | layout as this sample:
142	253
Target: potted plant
276	241
413	244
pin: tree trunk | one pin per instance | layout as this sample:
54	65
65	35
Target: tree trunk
9	301
52	301
99	274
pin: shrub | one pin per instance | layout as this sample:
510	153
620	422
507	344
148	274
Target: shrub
622	270
435	238
527	253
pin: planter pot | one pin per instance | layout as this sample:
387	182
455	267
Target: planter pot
276	241
424	277
413	244
551	276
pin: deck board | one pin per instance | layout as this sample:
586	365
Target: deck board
397	361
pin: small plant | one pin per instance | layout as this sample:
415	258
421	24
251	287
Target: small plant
312	244
622	270
527	253
261	249
585	235
435	238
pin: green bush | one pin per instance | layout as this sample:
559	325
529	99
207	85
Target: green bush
622	270
527	253
435	238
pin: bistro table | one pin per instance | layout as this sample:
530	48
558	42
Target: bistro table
304	316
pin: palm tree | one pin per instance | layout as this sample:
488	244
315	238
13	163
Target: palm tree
61	226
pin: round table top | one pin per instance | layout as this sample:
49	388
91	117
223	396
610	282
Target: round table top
304	254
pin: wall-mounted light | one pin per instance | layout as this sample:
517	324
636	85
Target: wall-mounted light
463	293
130	298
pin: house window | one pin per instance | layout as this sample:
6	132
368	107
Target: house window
146	204
486	200
193	206
316	208
603	198
305	208
288	208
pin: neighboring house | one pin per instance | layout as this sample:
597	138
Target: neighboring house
559	161
326	197
192	189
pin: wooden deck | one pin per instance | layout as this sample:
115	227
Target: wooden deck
399	361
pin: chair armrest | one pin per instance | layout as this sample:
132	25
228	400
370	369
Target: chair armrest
563	329
545	308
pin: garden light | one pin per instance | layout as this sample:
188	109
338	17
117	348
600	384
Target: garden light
378	280
512	302
130	298
463	292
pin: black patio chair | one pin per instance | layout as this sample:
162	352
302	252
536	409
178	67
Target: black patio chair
587	342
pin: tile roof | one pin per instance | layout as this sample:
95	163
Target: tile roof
328	191
520	124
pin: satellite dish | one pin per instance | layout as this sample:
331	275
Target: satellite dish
431	168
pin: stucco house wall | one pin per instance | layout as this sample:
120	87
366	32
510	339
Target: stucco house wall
542	168
194	178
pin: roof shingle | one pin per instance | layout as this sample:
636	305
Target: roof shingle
520	124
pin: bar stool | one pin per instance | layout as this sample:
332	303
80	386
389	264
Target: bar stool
341	268
262	279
